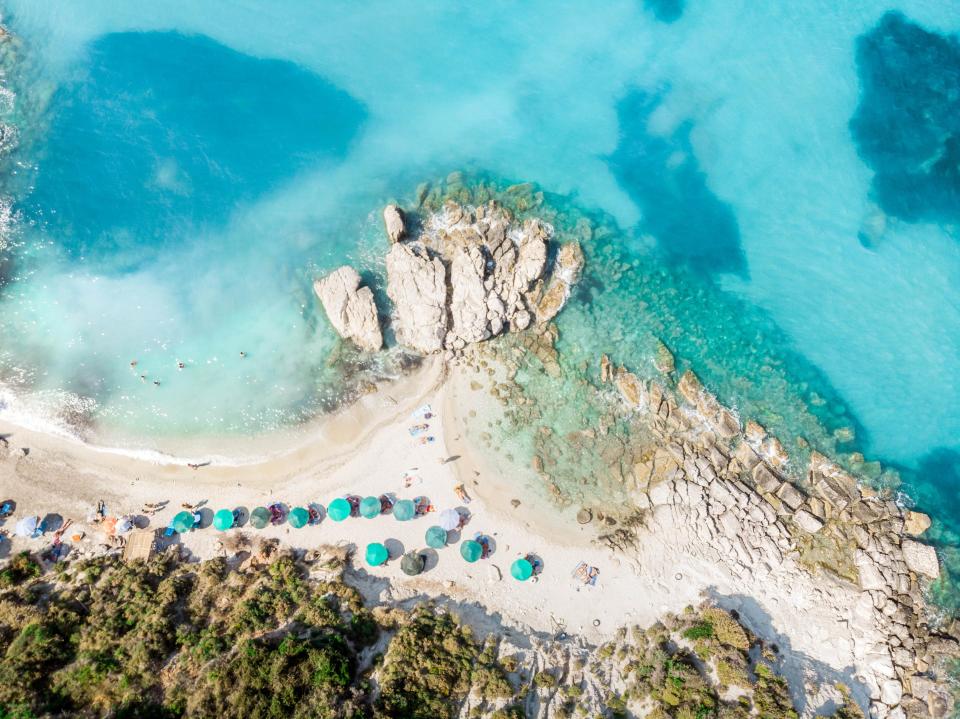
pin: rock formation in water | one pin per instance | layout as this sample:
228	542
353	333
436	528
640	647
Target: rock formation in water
393	222
471	274
350	307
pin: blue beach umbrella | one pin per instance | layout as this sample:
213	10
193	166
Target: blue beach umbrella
338	509
182	522
223	520
259	517
298	517
521	570
370	507
470	550
377	554
404	509
436	537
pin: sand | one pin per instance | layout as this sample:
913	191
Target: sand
367	449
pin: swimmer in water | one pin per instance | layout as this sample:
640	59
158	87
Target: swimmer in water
180	365
143	378
242	354
156	382
133	363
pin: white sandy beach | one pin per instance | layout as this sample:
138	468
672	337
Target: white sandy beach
367	449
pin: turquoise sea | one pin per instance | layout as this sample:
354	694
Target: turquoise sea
779	181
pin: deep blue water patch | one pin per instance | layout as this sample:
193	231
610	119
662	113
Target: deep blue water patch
665	10
662	175
907	125
162	135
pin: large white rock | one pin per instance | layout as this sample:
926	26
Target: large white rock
350	308
891	691
807	522
393	221
417	286
469	305
566	272
921	558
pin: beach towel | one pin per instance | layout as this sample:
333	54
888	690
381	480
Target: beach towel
423	412
586	574
418	429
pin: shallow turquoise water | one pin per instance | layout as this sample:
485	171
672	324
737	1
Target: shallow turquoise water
191	168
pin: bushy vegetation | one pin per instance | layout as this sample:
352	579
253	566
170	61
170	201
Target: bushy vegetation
167	640
170	640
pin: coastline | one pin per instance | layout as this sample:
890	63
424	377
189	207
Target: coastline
825	632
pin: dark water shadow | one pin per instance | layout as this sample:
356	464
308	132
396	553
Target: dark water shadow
667	11
906	127
161	135
663	177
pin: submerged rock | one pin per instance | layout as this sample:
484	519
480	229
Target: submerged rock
350	308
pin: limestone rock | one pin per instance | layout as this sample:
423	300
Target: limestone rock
393	220
890	692
690	387
916	523
417	286
606	370
468	298
807	522
350	308
630	387
920	558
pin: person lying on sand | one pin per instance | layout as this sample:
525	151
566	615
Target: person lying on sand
461	493
386	503
101	512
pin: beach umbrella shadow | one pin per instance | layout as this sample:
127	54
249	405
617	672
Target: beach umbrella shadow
431	559
206	518
490	542
454	536
395	547
51	523
537	561
5	545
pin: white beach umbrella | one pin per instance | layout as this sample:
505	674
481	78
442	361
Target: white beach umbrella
26	527
124	525
449	519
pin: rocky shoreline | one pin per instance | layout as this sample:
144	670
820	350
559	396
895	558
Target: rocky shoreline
473	273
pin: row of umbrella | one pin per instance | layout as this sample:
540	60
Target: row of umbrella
412	563
338	510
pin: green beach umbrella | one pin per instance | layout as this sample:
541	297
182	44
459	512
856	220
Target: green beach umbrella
412	563
369	507
298	517
404	509
521	570
338	509
436	537
182	522
223	520
259	517
470	550
377	554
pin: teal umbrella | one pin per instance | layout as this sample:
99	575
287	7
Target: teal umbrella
182	522
369	507
259	517
470	550
338	509
223	520
377	554
436	537
521	569
404	509
298	517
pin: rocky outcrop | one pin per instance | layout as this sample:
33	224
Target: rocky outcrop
417	286
492	270
393	222
350	308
